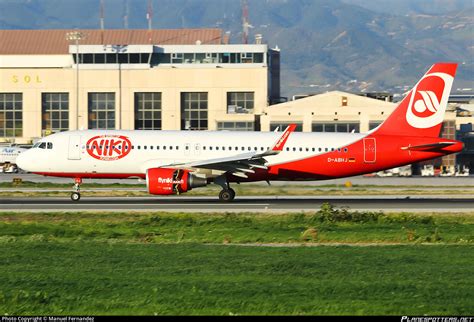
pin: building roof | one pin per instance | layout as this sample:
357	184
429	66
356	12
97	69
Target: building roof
53	42
329	101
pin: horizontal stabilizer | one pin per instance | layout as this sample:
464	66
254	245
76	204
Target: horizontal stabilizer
428	147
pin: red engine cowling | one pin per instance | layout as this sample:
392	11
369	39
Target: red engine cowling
165	181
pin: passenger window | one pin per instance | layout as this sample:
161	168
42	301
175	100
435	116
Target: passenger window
151	147
144	147
287	149
345	149
139	147
177	147
326	149
164	147
157	147
294	149
301	149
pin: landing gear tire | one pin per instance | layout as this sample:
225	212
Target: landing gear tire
227	195
75	196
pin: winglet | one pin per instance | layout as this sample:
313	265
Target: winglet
282	140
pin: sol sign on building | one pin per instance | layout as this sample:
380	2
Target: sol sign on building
108	147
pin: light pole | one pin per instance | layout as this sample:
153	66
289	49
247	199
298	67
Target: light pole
76	36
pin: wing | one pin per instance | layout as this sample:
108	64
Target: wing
240	164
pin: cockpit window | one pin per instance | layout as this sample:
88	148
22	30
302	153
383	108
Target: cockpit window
50	145
42	145
36	145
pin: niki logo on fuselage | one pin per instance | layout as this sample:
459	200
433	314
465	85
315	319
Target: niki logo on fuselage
108	147
428	100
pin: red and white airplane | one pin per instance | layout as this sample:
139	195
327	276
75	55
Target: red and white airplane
173	162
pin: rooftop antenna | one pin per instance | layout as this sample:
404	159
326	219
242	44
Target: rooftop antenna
245	22
125	15
102	25
149	15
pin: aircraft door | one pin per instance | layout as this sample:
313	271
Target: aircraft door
197	149
74	149
370	150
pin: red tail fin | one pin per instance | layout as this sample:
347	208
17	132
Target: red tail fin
421	112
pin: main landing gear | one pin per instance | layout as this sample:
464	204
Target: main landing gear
227	194
76	195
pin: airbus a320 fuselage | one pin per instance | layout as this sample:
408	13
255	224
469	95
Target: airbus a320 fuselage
173	162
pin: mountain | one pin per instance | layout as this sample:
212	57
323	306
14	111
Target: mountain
352	45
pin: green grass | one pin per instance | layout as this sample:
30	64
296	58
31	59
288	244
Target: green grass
328	225
181	264
99	278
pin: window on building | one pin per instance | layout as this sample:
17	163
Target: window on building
258	58
341	127
246	58
283	125
236	126
111	58
54	112
374	124
194	111
101	108
11	115
147	111
240	102
176	58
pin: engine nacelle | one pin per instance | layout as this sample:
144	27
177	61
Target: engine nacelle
165	181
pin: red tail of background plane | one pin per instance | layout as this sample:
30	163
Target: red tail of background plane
421	112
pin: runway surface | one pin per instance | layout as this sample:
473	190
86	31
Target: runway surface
240	204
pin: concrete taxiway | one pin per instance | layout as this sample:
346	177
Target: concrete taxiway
241	204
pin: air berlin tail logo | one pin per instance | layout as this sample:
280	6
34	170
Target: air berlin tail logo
428	100
108	147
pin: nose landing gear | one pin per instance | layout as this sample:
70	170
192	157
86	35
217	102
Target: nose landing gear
76	195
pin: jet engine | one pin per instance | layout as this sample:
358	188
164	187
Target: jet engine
165	181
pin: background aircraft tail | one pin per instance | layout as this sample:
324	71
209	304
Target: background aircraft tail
421	112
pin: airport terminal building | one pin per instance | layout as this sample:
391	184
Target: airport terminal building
130	79
183	79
